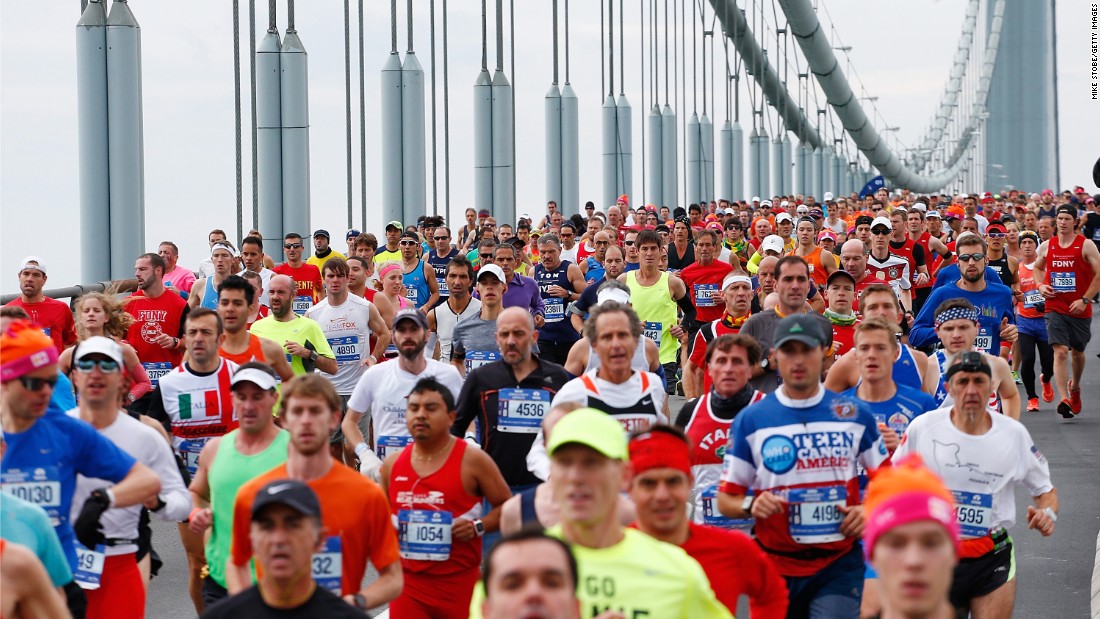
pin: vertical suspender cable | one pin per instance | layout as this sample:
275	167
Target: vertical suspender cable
237	114
347	103
252	78
641	76
622	54
446	123
435	157
362	130
512	72
611	48
603	78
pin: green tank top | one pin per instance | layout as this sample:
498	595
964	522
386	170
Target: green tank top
228	472
657	310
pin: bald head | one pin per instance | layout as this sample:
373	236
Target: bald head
853	257
281	289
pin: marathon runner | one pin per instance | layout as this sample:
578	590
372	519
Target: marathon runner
560	283
459	305
421	288
885	267
236	301
205	292
227	462
662	482
51	315
935	252
822	263
354	513
1069	267
302	339
1031	323
798	451
982	458
322	253
612	265
527	560
206	267
646	355
440	258
474	342
306	277
840	291
175	274
25	585
157	329
252	257
737	296
436	486
102	315
703	278
522	291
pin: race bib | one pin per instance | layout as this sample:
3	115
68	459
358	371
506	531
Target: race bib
387	445
346	349
974	512
424	535
1033	298
1096	234
189	451
652	330
41	486
714	518
553	309
443	289
814	514
521	410
984	341
412	295
328	565
156	370
1062	281
89	566
703	295
302	303
478	358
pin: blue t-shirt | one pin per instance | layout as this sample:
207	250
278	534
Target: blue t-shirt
62	399
41	464
899	411
994	304
28	525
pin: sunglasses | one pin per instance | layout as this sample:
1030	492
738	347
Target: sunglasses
589	208
971	257
441	238
486	256
996	235
882	232
85	366
36	384
292	246
603	242
628	243
407	243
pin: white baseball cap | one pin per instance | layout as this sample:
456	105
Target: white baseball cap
783	217
32	262
612	294
493	269
99	345
756	198
882	221
828	196
772	242
256	376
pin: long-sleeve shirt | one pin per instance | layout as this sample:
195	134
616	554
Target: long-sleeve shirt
523	292
994	304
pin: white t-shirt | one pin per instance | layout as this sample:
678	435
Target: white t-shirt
981	471
347	329
383	390
570	254
265	279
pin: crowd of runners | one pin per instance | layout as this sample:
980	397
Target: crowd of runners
482	411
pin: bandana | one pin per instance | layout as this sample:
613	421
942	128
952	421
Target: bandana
654	450
956	313
733	322
843	320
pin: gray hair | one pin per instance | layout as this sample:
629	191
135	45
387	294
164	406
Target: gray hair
550	239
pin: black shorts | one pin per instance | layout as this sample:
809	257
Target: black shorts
982	575
1068	331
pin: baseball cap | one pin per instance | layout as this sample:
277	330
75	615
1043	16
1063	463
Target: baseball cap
99	345
491	269
395	224
995	227
321	232
413	314
907	492
816	212
32	262
1067	209
351	233
783	217
771	242
484	213
612	294
1047	192
765	203
828	196
591	428
864	219
1028	234
714	225
799	328
932	213
735	278
410	235
881	221
920	206
24	348
730	211
803	209
526	216
826	234
840	274
262	379
290	492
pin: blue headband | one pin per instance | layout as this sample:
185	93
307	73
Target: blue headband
956	313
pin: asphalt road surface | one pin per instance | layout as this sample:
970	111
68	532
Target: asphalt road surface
1053	574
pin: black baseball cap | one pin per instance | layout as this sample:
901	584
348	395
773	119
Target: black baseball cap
864	219
290	492
1067	209
840	274
321	232
799	328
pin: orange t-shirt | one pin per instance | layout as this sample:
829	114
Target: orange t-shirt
353	508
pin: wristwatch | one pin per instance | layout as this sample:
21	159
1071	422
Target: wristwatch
746	505
360	601
479	527
313	356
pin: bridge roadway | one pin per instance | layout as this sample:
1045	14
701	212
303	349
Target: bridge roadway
1054	574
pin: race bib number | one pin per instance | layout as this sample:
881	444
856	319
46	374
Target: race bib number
521	410
652	330
156	370
301	304
424	535
412	295
387	445
443	289
478	358
41	486
1032	299
346	349
704	295
984	341
89	566
1062	281
714	518
974	512
189	451
553	309
328	565
815	514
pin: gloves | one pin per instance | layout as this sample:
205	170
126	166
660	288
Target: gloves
87	526
370	465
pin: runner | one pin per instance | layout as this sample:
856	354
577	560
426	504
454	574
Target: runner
322	253
1069	268
157	328
522	290
703	278
101	315
614	261
383	389
822	263
734	564
886	267
440	258
798	451
286	527
392	250
841	294
25	588
460	304
206	267
530	573
436	486
227	462
252	257
999	455
474	341
560	282
236	301
592	264
302	339
737	294
421	288
1030	320
647	357
205	292
306	277
175	274
112	582
935	252
354	513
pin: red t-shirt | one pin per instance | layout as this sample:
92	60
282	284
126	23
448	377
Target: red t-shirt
308	279
702	282
164	314
843	339
55	318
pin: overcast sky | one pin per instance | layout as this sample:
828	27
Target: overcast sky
188	104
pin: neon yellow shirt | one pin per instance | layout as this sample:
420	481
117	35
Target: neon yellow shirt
300	329
320	262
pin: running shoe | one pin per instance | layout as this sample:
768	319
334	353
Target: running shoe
1048	389
1065	410
1032	405
1016	377
1075	400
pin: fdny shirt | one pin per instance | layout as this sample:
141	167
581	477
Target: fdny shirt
805	452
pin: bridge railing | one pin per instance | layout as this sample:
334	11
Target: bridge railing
75	292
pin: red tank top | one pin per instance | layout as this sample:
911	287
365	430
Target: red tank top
1069	275
708	434
254	352
905	252
1026	307
442	491
923	241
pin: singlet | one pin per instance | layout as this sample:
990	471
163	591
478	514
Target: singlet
817	269
596	271
439	265
1000	265
227	473
931	260
906	371
907	252
637	403
1069	275
556	329
528	513
254	352
445	321
347	330
702	282
676	262
210	295
1033	305
199	408
426	507
638	362
943	398
657	309
416	287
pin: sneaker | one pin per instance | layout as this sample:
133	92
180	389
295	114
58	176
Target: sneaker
1032	405
1048	389
1016	377
1065	410
1075	400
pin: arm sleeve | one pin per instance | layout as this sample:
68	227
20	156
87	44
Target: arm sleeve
176	496
157	411
918	255
98	456
469	400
